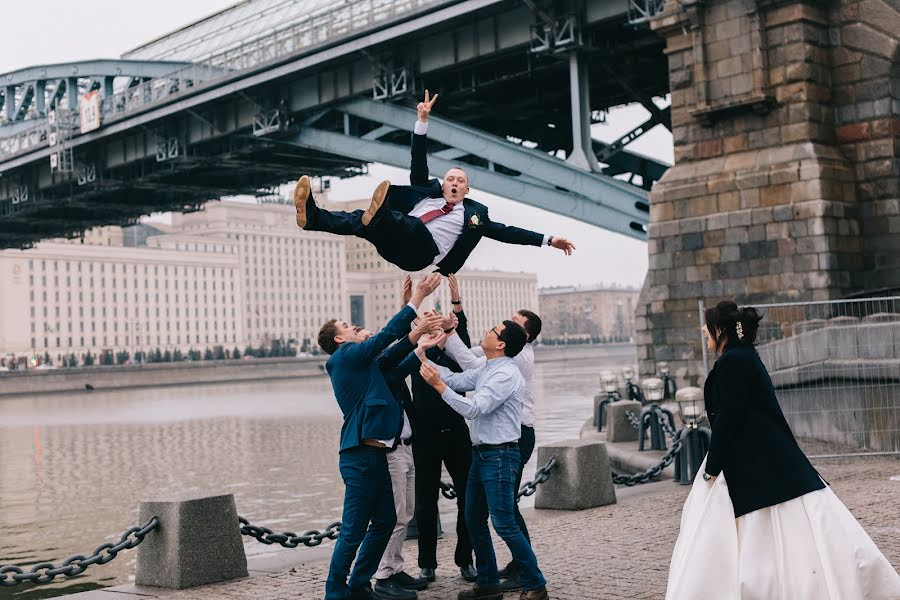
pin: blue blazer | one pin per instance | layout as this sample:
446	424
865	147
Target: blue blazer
369	408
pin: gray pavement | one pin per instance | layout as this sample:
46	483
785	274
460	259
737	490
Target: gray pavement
607	553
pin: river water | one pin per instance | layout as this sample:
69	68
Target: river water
73	467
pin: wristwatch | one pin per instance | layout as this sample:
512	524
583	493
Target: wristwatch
550	241
706	476
448	331
456	301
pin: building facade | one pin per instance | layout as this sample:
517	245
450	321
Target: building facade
587	314
235	274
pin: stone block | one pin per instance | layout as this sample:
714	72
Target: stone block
841	342
618	428
877	340
198	542
582	477
812	346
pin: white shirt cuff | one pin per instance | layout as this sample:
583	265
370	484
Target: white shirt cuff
546	237
421	127
412	306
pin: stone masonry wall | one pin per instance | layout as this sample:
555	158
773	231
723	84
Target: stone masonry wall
771	187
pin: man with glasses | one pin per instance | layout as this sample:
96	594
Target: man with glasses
495	412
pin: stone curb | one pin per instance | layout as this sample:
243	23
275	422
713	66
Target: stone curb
624	456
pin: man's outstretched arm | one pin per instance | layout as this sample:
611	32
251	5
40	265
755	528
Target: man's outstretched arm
418	167
516	235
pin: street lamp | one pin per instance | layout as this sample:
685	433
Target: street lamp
655	417
694	439
609	393
669	387
632	390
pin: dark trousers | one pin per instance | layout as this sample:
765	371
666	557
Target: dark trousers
368	498
526	449
491	492
399	238
454	448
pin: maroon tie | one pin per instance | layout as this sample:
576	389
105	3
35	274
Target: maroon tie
434	214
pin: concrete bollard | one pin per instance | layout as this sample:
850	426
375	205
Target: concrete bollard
198	541
618	428
582	477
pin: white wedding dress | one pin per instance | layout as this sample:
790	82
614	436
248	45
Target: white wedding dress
808	548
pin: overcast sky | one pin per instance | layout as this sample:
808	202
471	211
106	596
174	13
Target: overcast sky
57	31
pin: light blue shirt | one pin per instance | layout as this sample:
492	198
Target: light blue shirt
495	411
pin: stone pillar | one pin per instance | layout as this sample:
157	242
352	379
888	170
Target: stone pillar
761	204
198	541
582	477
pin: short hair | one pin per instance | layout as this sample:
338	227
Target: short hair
514	336
326	337
532	324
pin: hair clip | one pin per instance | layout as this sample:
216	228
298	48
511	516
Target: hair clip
739	328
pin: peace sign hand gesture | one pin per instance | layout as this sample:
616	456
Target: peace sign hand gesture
424	108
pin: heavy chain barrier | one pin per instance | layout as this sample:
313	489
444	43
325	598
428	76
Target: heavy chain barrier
653	471
666	427
633	419
314	537
46	572
527	489
288	539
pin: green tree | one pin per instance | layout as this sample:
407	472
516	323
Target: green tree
235	353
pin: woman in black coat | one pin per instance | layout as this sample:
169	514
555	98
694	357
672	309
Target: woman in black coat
775	530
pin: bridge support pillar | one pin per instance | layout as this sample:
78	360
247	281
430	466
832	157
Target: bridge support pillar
582	147
785	183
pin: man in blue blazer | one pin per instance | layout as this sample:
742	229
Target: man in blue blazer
370	414
425	223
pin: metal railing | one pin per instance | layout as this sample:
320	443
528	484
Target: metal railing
319	28
835	366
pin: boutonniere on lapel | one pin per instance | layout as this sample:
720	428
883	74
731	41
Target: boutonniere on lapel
474	221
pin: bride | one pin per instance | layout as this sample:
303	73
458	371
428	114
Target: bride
760	523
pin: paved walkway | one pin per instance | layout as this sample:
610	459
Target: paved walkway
608	553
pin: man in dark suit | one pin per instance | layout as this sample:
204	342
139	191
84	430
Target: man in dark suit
423	223
371	414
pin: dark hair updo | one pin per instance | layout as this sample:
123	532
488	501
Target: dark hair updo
722	322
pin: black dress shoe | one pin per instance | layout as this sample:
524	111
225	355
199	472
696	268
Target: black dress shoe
427	573
468	573
362	593
407	581
387	589
512	584
492	592
508	571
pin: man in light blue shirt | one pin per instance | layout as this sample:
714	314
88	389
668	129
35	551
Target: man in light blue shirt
495	412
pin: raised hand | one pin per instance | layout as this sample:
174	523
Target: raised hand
407	289
563	244
449	322
431	376
431	340
454	287
424	325
424	108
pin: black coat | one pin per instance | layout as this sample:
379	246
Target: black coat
476	224
751	441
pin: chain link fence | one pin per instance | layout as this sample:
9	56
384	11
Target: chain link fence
45	572
835	366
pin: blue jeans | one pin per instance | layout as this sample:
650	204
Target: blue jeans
368	497
491	492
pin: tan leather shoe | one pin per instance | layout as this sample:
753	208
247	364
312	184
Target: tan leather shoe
301	195
378	197
540	594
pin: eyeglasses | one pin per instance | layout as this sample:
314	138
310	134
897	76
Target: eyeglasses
494	331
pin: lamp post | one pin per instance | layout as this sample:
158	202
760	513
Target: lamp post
609	393
632	390
669	386
651	416
695	439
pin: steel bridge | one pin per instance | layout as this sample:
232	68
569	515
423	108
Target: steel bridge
254	96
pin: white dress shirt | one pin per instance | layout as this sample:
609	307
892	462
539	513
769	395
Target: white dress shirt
445	229
471	358
495	411
405	433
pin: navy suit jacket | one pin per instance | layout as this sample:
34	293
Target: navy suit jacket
369	408
476	224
